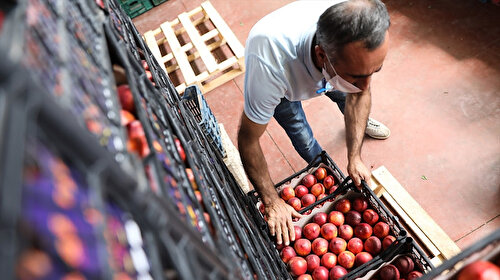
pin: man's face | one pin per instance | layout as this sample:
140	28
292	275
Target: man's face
356	64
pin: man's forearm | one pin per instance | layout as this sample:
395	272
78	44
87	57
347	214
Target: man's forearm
356	115
255	166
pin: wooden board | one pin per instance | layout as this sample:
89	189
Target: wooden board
186	57
419	224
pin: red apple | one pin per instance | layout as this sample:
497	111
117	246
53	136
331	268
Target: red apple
353	218
300	191
479	270
320	173
317	189
298	232
287	253
328	231
373	245
370	216
381	230
309	180
388	272
363	231
305	277
343	205
360	204
313	262
404	264
320	273
297	266
346	259
319	246
417	274
320	218
308	199
363	257
295	203
332	189
346	232
336	218
328	182
337	272
387	241
302	247
337	245
126	98
311	231
287	193
355	245
329	260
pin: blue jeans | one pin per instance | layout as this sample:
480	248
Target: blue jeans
292	119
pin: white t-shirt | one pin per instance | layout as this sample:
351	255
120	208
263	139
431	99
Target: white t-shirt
278	58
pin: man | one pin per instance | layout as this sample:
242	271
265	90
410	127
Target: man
301	51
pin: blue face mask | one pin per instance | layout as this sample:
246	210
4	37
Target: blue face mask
338	82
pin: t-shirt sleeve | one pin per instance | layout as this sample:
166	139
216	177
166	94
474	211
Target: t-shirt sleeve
263	90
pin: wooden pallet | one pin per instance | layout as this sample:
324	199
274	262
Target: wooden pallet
195	59
430	236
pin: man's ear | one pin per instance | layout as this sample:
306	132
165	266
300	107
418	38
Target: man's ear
320	55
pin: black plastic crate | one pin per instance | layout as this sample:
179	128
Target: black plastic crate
486	249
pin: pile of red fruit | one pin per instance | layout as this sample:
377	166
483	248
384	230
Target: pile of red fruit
402	267
312	188
332	244
480	270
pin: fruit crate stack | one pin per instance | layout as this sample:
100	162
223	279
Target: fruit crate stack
346	232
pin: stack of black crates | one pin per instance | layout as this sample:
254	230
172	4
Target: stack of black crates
78	196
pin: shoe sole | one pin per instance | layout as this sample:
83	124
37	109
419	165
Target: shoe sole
379	137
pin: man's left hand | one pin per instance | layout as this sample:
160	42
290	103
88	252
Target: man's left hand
358	171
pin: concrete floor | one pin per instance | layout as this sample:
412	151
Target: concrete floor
439	92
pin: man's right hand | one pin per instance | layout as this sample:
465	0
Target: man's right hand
279	218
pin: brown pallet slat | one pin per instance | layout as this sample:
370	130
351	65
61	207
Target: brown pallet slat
419	224
217	72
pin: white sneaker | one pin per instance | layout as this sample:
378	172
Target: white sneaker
377	130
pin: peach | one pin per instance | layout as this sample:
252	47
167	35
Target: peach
329	260
346	232
321	196
320	273
300	191
328	182
297	266
305	277
346	259
404	264
343	205
320	173
317	189
308	199
336	218
328	231
311	231
337	272
302	247
309	180
337	245
362	258
295	203
387	241
352	218
287	193
373	245
320	218
414	275
298	232
355	245
388	272
287	253
332	189
313	262
363	231
360	204
319	246
381	230
370	216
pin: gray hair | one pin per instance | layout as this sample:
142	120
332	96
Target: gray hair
351	21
